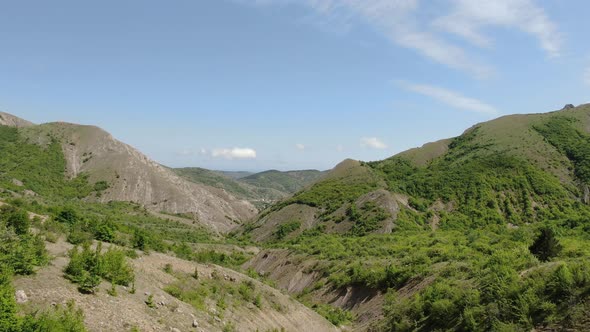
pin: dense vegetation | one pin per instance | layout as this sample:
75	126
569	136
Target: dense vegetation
488	241
562	133
37	168
464	275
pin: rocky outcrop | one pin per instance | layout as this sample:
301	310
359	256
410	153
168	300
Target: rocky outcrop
13	121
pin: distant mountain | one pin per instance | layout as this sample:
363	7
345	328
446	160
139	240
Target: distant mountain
261	189
514	169
116	170
235	174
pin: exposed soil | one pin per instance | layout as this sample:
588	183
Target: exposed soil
107	313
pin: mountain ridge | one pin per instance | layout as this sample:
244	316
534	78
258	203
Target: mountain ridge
261	189
510	136
131	176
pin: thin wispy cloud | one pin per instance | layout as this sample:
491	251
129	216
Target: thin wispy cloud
373	143
470	17
300	147
450	98
400	21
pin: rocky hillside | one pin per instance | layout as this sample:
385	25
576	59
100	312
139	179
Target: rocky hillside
121	173
104	312
261	189
122	287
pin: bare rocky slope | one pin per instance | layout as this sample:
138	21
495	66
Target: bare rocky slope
132	176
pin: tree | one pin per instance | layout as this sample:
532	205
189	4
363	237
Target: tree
546	246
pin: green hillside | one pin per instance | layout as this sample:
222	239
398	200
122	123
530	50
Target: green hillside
214	179
32	169
288	182
465	219
261	189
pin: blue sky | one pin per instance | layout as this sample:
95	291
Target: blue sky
289	84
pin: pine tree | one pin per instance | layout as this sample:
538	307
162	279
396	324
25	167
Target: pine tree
546	246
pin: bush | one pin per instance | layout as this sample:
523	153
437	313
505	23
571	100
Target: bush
114	267
101	186
16	218
77	237
8	319
334	315
105	232
84	268
87	267
59	319
287	228
68	215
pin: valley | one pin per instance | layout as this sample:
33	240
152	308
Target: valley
487	231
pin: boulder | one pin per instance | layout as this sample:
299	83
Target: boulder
21	296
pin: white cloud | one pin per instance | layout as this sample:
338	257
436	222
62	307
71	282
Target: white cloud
373	143
450	98
339	148
300	147
234	153
469	17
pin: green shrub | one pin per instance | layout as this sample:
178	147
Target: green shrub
16	218
78	237
334	315
57	319
87	267
68	215
9	322
114	267
105	231
287	228
101	186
